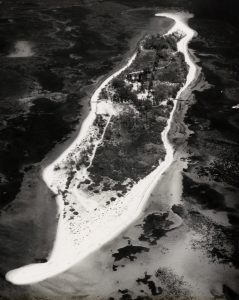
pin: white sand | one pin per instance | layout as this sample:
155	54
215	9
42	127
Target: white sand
97	223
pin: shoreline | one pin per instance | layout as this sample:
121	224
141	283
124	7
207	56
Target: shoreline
133	211
59	148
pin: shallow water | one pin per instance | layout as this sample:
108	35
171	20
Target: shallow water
93	228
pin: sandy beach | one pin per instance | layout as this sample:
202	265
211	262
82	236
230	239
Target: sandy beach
70	249
176	261
113	234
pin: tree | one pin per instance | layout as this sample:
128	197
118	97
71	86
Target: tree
118	83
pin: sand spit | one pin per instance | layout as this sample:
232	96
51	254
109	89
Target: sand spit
95	223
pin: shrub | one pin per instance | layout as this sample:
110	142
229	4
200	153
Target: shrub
118	83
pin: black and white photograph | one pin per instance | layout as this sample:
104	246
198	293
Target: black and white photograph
119	150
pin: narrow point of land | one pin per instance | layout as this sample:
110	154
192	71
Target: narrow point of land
96	202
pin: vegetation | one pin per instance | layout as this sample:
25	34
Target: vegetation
159	43
174	72
163	91
132	146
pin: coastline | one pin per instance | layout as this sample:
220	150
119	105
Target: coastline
59	148
138	192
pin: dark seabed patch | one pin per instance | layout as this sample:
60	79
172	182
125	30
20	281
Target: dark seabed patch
146	280
204	195
219	242
129	252
155	226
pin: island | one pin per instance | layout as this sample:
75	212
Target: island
124	144
104	178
